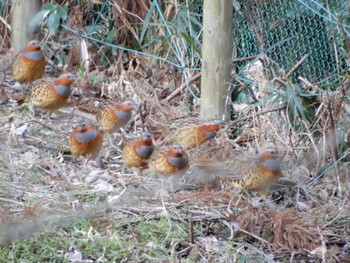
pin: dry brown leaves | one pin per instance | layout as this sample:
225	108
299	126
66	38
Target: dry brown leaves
285	231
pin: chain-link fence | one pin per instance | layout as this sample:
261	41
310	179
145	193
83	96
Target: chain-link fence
288	30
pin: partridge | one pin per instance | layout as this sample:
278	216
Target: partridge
86	140
191	132
50	95
136	153
111	118
257	174
169	161
29	64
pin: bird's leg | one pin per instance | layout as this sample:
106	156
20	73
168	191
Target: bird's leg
71	115
85	161
112	141
161	193
122	136
48	116
31	109
99	162
240	197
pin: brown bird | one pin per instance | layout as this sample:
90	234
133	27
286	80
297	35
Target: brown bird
50	95
256	174
136	153
86	140
191	132
111	118
29	64
169	161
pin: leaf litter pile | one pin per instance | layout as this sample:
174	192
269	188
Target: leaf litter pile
55	206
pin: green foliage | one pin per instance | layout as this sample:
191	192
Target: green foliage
146	21
157	230
295	108
154	236
51	15
42	248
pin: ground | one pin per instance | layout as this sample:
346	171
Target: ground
54	208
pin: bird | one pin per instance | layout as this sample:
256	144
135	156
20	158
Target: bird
51	95
191	132
252	174
86	140
29	64
137	153
111	118
168	161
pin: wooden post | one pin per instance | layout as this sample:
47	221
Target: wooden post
217	57
23	11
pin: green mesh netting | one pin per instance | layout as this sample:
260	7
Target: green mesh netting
286	30
4	4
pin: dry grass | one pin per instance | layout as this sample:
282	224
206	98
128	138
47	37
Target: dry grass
44	190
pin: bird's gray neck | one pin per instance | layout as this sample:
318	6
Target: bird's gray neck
145	151
63	90
210	134
178	162
34	55
124	116
86	136
272	164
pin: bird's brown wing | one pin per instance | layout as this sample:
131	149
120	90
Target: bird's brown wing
233	169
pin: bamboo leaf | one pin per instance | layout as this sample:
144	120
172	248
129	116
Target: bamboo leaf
53	23
49	7
146	22
190	41
62	11
35	22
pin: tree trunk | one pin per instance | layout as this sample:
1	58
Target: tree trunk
216	61
23	11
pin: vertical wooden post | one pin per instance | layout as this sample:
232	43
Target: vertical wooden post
217	57
23	11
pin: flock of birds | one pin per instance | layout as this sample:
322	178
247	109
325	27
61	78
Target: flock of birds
256	174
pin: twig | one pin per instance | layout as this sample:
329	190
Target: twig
179	89
333	143
84	115
306	81
347	40
190	228
5	23
297	65
243	59
11	201
253	235
230	228
257	114
42	124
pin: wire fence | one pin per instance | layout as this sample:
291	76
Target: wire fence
286	31
289	30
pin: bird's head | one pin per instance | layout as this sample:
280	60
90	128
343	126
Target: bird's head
33	45
269	153
127	106
176	150
66	79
